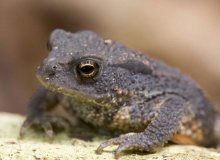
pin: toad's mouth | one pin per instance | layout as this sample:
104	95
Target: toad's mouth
103	100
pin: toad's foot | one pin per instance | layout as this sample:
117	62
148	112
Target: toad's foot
138	141
48	123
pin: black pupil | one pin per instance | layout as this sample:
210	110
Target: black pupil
87	69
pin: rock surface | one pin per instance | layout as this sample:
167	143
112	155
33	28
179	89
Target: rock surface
35	146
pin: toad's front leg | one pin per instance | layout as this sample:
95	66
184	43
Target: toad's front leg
161	129
40	109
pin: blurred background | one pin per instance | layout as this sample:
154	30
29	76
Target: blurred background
184	34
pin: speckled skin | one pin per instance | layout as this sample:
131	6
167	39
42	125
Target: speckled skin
132	93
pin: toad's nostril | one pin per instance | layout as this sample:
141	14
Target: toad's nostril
48	70
54	67
51	70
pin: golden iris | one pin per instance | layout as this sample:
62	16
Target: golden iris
87	68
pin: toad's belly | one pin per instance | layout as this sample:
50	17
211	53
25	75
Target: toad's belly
113	119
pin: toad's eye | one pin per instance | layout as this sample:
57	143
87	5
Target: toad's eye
87	68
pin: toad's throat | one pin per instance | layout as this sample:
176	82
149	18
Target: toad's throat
102	100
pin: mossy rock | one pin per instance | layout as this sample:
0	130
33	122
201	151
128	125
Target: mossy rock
35	146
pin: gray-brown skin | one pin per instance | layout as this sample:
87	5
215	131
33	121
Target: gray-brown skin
112	87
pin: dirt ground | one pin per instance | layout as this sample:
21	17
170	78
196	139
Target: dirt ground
36	146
